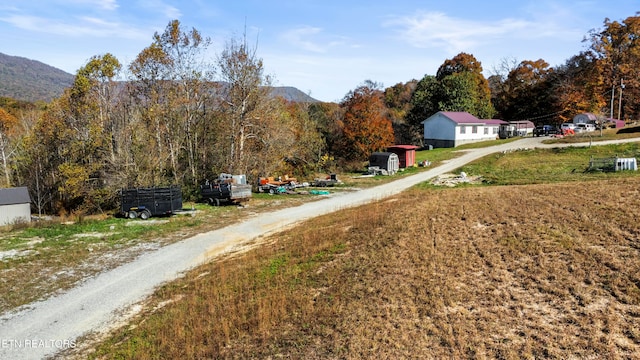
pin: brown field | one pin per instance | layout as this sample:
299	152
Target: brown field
536	271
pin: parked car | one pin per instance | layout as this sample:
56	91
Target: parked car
583	127
545	130
568	126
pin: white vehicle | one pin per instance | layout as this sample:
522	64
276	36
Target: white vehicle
568	126
582	127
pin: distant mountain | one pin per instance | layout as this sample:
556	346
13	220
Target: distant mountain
291	94
31	80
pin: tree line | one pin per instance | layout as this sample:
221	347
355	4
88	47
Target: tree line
179	117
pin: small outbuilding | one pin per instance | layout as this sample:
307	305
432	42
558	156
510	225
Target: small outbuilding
383	163
406	154
15	206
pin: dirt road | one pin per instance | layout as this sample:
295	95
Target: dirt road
44	328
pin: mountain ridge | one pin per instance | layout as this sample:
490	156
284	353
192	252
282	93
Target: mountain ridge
30	80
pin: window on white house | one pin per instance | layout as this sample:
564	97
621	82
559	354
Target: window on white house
474	129
486	131
463	129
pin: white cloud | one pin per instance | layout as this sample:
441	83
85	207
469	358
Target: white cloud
159	6
435	29
300	38
81	27
312	39
109	5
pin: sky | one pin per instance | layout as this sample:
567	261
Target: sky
325	48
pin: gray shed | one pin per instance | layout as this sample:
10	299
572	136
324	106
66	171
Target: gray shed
15	205
384	163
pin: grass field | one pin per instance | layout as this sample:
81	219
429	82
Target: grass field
546	268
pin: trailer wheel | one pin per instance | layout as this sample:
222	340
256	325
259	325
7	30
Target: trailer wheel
145	214
272	191
132	214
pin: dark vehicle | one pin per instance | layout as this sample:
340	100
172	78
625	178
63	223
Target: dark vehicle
148	202
227	188
545	130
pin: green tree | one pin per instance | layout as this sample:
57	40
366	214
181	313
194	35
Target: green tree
463	87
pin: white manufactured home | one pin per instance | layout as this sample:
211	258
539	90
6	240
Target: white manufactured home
450	129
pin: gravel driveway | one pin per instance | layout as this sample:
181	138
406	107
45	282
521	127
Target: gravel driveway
98	304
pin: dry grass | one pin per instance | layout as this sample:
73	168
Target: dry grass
512	272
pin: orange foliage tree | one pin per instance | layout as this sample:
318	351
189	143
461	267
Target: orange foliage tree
365	125
617	50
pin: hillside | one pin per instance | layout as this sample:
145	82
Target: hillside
290	93
31	80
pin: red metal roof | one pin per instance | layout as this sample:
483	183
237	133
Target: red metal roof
461	117
495	122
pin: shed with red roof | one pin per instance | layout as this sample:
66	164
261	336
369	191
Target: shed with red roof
406	154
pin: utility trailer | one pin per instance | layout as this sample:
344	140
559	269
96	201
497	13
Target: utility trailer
148	202
227	188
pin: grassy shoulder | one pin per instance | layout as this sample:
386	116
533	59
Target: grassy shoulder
478	272
569	164
59	253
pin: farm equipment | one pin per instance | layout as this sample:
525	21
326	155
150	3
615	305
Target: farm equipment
278	185
330	180
226	189
147	202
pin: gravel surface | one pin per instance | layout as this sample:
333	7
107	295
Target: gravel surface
43	328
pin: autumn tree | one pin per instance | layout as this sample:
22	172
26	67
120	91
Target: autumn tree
527	93
578	87
365	125
616	48
305	155
397	99
327	118
171	87
8	146
257	133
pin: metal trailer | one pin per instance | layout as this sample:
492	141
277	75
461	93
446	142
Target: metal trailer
330	180
228	188
148	202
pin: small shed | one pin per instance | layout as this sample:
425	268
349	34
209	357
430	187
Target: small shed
406	154
614	123
386	163
15	205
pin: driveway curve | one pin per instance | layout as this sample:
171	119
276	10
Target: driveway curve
43	328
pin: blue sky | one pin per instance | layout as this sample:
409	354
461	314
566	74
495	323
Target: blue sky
325	47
